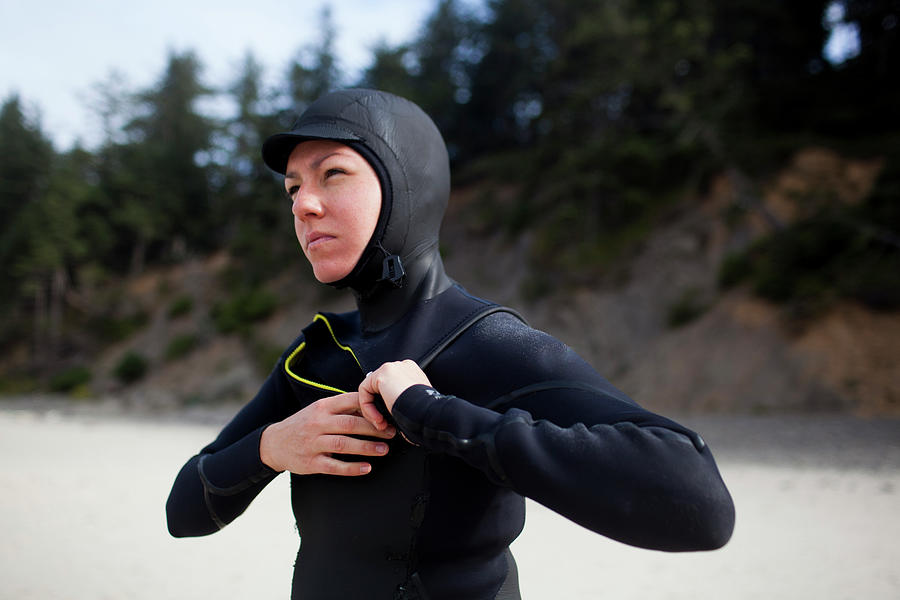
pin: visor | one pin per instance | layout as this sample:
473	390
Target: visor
277	148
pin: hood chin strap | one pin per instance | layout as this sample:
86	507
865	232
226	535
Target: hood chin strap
368	276
392	271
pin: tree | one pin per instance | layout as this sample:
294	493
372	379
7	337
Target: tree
166	161
867	85
26	158
389	70
442	54
506	83
255	218
53	248
315	71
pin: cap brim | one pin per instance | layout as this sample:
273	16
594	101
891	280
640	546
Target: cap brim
277	148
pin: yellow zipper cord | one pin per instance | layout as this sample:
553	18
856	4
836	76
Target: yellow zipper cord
299	349
320	317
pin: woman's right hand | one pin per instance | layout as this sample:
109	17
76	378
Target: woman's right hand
305	442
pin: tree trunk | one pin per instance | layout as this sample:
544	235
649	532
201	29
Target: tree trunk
38	352
138	253
57	297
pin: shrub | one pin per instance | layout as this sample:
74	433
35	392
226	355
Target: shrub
17	383
180	346
181	306
266	355
828	256
117	329
735	268
243	309
69	379
686	308
131	367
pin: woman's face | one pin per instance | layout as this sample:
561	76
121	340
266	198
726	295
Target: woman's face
336	200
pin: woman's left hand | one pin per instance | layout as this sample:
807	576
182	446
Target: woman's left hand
388	381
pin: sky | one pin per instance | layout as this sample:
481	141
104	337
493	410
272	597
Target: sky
52	52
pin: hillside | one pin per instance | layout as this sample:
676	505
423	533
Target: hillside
658	325
740	353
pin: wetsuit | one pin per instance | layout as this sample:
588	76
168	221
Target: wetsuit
512	412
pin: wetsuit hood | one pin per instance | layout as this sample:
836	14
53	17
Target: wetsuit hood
401	263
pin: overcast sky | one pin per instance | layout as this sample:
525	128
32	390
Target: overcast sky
53	51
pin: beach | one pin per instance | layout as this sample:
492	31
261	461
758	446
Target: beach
82	512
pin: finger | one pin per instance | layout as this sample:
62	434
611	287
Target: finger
342	403
373	416
357	425
342	444
333	466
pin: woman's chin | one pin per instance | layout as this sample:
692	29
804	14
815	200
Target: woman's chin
329	275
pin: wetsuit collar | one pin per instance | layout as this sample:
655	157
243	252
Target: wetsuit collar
425	278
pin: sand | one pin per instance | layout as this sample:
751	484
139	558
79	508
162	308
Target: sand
82	517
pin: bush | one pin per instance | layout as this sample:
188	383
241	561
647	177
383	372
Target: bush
802	256
243	309
687	308
266	356
69	379
131	367
839	254
117	329
736	267
181	306
180	346
17	383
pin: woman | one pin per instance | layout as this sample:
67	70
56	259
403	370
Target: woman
489	410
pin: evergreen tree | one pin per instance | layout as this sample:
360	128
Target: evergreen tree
388	70
53	249
256	217
26	159
506	83
866	86
315	71
163	162
442	54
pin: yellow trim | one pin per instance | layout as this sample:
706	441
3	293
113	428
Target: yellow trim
320	317
299	349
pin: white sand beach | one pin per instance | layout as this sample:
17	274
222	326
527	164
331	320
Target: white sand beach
83	494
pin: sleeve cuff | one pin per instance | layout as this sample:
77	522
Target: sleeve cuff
232	469
423	413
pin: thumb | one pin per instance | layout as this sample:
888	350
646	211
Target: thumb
368	392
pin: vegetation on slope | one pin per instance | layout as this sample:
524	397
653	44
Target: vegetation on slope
600	116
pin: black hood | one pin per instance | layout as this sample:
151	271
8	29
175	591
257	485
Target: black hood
401	263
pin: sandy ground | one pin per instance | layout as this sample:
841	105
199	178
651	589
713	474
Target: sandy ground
82	517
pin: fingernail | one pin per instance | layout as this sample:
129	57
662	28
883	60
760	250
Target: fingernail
381	448
391	430
363	469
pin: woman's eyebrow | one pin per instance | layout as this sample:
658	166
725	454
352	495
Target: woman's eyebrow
318	162
315	164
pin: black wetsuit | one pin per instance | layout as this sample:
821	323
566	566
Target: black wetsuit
513	412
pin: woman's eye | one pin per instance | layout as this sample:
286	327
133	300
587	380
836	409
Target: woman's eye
334	171
292	191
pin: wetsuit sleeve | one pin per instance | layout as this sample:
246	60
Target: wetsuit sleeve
574	443
216	486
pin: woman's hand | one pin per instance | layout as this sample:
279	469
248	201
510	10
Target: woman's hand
305	442
388	381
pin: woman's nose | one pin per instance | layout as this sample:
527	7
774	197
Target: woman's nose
307	203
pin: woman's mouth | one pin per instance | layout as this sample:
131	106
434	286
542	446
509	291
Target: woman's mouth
317	239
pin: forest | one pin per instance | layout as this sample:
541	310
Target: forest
599	116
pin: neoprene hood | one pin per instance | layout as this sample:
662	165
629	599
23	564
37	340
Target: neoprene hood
409	155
